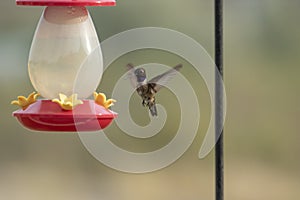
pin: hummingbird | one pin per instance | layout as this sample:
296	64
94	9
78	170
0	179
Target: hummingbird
147	89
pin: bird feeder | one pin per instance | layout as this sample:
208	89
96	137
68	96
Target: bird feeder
65	67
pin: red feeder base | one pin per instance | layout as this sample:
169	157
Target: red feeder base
66	2
44	115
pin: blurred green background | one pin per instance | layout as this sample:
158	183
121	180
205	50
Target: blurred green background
262	137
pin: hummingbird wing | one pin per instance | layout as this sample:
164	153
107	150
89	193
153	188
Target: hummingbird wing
131	75
162	79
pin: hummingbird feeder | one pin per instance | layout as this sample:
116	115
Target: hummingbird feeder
65	67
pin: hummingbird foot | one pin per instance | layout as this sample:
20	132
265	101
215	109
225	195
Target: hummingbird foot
144	103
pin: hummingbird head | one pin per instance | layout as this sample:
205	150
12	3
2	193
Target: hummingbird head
140	74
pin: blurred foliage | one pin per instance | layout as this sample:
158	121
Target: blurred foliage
262	125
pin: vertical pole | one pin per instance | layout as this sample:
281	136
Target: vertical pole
219	160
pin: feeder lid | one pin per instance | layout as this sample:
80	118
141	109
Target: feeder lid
66	2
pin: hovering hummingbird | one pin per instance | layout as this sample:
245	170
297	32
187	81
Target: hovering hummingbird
148	89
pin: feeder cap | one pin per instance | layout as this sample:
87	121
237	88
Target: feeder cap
66	2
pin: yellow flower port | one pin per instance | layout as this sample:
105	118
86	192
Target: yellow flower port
67	103
100	99
24	102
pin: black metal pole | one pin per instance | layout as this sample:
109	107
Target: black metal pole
219	159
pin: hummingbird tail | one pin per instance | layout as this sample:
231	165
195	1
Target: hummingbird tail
153	110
